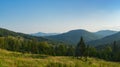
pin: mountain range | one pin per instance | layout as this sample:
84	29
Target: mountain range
93	38
71	37
106	40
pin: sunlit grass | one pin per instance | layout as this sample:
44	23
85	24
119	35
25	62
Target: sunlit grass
16	59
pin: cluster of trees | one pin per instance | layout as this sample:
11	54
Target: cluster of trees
34	46
107	52
81	50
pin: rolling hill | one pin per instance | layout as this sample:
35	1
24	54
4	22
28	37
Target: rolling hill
106	40
104	33
5	32
73	37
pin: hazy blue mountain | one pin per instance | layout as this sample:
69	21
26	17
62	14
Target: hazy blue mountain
106	40
73	37
105	33
43	34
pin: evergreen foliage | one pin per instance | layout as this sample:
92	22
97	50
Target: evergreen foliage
28	44
80	48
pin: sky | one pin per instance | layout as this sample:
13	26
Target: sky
31	16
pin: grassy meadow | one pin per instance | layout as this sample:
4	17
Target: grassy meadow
16	59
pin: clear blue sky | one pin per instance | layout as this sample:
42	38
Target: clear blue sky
30	16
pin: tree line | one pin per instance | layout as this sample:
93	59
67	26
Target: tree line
107	52
33	46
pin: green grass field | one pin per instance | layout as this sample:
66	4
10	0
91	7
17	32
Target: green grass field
16	59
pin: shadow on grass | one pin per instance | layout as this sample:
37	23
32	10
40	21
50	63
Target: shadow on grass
39	56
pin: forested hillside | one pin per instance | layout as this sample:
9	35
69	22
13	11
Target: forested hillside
5	32
18	42
59	33
106	40
73	37
104	33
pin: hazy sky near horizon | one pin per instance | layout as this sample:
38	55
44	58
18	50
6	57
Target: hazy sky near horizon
30	16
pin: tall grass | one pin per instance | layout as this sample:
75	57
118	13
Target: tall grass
16	59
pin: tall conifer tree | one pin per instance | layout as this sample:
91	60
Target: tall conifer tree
80	48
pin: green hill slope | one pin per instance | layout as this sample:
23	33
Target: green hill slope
106	40
15	59
73	37
5	32
104	33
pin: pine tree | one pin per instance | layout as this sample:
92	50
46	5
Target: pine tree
80	48
115	52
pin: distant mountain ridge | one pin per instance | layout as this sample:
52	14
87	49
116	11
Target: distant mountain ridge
70	37
73	36
43	34
105	33
106	40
